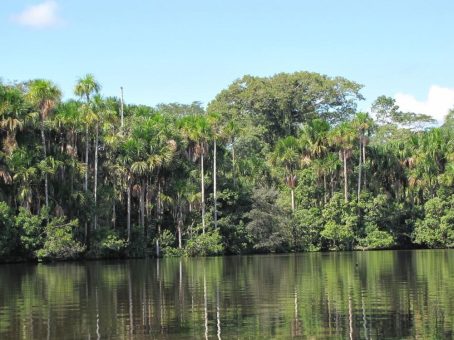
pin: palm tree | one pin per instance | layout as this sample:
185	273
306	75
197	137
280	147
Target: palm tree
197	130
44	95
11	111
84	88
362	123
342	137
315	137
231	131
287	154
213	119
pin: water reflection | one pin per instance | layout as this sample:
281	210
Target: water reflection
350	295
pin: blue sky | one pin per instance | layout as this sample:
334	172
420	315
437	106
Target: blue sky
182	51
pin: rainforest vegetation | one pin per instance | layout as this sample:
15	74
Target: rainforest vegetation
272	164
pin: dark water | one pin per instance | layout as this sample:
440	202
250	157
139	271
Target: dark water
369	295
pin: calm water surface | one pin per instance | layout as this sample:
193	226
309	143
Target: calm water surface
368	295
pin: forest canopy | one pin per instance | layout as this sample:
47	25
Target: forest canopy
273	164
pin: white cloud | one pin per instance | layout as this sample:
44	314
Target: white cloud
41	15
439	101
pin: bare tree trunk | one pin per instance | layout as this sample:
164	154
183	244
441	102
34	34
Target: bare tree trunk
86	159
46	184
344	154
180	245
95	190
364	162
129	211
215	186
87	230
359	169
325	193
142	205
233	164
203	192
114	213
158	216
293	199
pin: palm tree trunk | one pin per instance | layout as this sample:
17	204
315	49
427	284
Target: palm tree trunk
359	169
95	190
203	192
364	162
142	205
325	193
215	186
344	154
129	211
158	216
46	184
293	199
114	213
233	164
86	159
180	222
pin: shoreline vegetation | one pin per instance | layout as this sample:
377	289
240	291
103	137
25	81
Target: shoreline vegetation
273	164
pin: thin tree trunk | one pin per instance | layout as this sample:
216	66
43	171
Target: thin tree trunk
142	205
325	193
46	184
215	187
233	164
87	231
146	220
293	199
96	177
86	159
359	169
364	162
180	244
129	211
203	192
114	213
344	154
158	216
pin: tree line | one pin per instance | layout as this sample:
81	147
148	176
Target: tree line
272	164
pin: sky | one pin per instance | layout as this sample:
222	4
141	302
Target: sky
165	51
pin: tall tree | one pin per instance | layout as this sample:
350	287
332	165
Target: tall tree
85	88
287	155
342	137
44	95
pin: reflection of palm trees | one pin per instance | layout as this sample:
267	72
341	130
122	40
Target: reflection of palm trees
218	313
296	323
131	324
205	303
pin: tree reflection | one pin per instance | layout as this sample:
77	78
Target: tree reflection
347	295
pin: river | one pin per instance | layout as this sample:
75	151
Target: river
352	295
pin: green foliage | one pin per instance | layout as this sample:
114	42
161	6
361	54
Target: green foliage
31	229
206	244
107	243
8	234
297	169
340	221
436	230
308	226
376	239
59	243
269	226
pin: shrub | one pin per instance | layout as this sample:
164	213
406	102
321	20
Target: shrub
206	244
